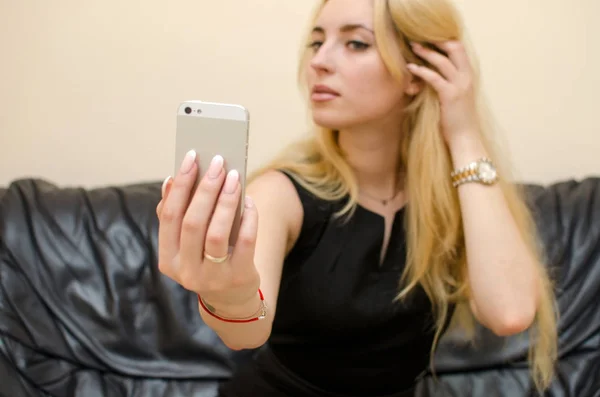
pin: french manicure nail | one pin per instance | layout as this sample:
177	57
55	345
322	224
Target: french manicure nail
188	162
164	185
231	182
249	203
216	165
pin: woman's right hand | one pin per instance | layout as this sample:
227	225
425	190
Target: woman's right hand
195	227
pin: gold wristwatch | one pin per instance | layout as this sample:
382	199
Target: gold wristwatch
481	171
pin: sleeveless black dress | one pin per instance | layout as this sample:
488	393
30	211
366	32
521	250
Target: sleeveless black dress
337	331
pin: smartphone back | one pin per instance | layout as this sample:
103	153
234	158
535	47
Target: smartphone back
214	129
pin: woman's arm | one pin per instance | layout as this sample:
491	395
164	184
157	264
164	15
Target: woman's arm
502	271
280	218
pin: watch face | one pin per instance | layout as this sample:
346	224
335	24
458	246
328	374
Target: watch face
486	172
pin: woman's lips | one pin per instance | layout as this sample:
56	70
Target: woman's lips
322	93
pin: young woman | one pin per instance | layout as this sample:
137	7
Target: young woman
396	215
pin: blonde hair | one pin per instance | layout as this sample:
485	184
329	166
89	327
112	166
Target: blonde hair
436	257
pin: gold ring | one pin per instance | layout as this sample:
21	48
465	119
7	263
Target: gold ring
215	259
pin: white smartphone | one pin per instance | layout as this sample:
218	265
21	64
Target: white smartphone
214	129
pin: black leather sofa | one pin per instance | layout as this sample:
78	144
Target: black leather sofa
85	312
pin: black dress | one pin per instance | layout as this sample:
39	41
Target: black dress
337	331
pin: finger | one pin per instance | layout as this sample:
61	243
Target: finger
199	212
166	187
456	53
219	229
166	270
174	207
243	252
440	61
430	76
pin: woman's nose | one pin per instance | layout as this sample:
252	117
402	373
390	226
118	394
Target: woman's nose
322	61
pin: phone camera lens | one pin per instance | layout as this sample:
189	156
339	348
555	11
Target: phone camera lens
188	110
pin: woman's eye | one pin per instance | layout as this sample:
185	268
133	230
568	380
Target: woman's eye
358	45
353	44
315	45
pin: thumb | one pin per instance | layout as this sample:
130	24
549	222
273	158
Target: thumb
166	188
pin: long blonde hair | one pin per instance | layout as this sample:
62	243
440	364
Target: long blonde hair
436	257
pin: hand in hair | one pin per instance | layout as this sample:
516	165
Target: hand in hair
451	76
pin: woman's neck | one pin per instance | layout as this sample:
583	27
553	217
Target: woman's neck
374	155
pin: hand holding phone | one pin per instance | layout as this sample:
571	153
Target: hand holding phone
206	233
215	129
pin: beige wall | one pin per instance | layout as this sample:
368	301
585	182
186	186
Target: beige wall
89	89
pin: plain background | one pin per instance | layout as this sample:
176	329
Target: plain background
89	89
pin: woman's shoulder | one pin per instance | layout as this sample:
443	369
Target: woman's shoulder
282	185
277	202
285	193
274	191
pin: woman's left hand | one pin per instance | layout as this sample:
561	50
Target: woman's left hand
453	82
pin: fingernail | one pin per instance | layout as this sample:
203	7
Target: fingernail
216	165
249	202
168	187
188	162
164	185
231	182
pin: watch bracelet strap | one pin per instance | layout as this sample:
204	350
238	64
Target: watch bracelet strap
467	173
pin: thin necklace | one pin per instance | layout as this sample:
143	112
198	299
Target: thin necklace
383	202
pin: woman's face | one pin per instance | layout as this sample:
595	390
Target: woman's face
349	84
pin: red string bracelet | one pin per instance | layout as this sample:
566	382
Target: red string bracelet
259	315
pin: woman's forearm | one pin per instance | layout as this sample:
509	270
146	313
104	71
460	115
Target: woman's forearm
502	271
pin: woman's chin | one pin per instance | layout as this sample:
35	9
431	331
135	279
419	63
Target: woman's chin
330	121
